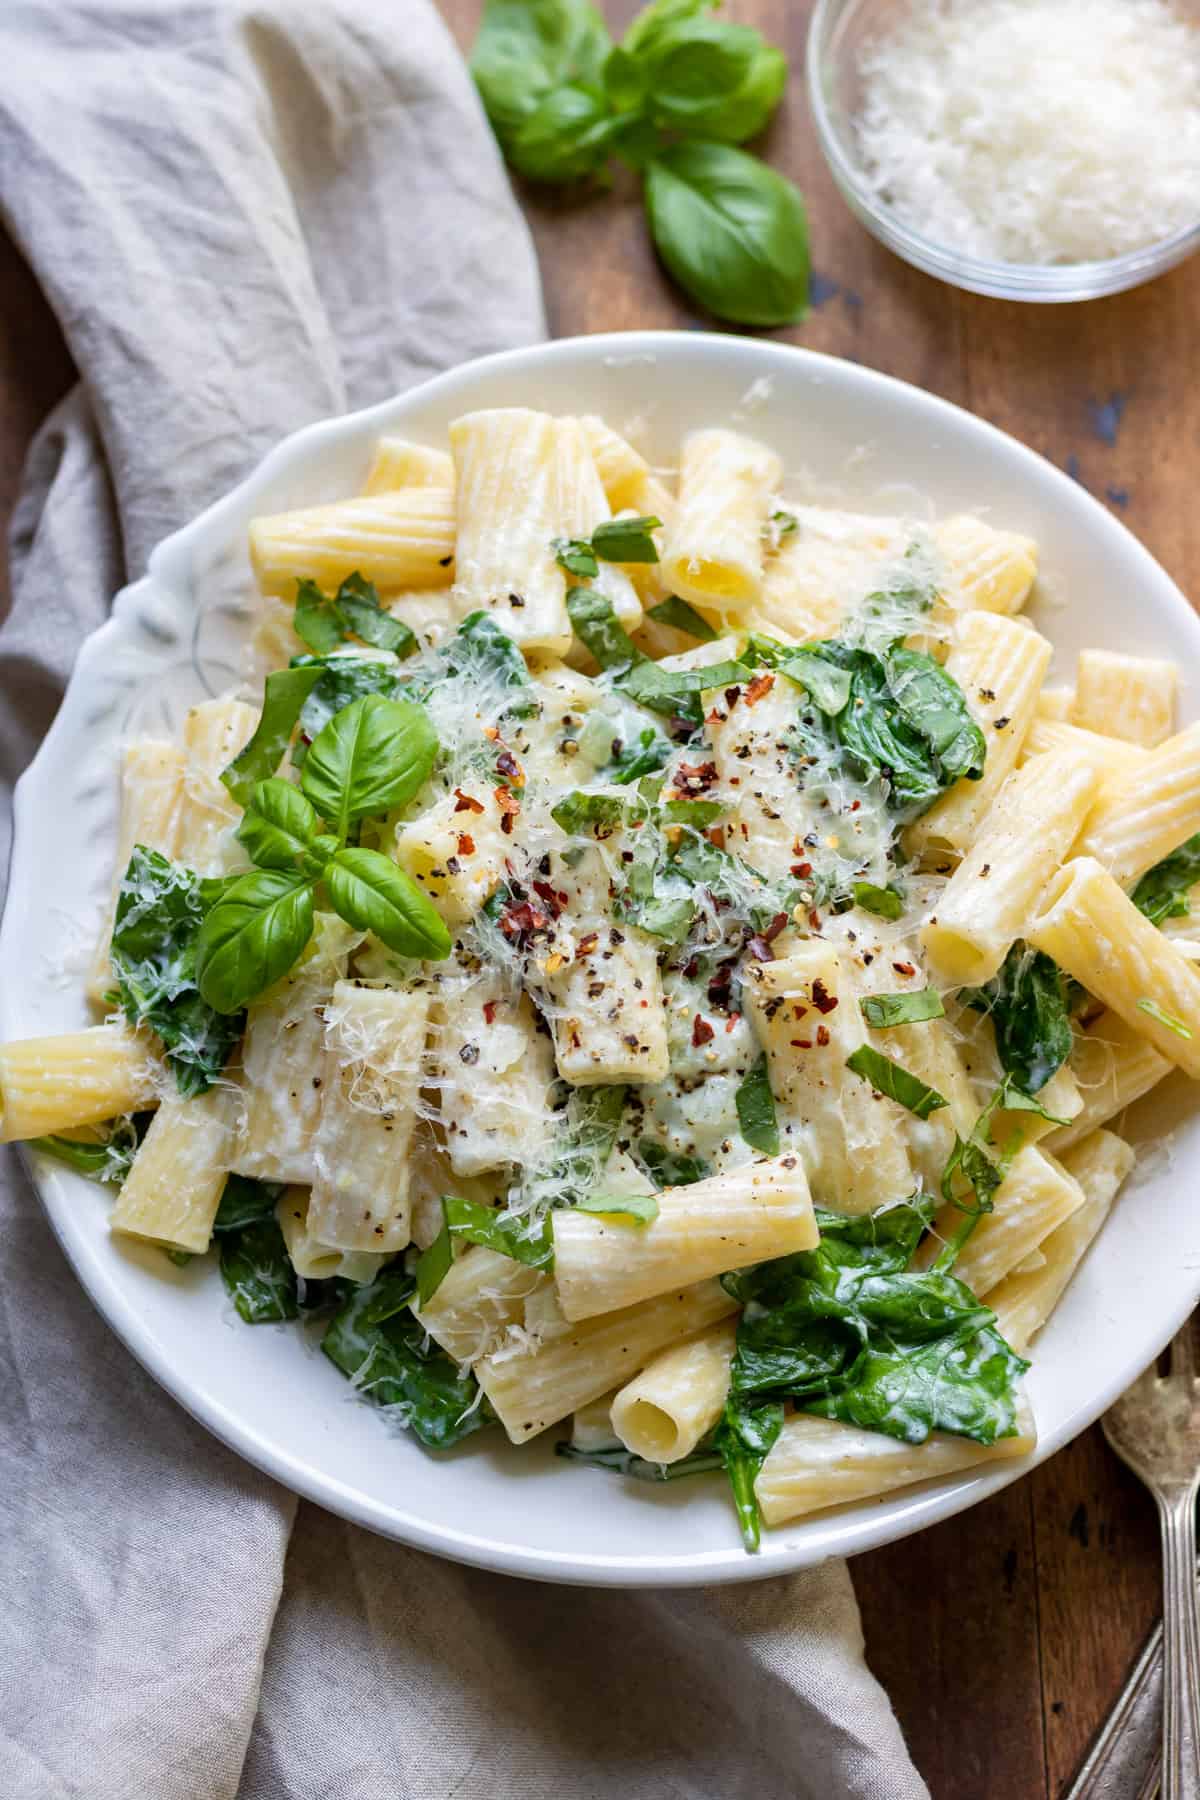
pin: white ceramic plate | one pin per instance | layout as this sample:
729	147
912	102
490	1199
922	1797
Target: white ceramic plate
845	434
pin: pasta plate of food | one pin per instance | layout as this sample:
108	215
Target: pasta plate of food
626	1002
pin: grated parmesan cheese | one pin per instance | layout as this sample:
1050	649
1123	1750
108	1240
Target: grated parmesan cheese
1036	131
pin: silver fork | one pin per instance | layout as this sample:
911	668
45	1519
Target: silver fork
1155	1428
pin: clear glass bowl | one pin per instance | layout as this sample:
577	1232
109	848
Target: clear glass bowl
839	32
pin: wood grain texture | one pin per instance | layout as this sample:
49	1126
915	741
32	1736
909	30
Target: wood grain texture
1002	1635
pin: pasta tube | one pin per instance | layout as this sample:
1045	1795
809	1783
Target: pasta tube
52	1084
1114	1064
478	1303
493	1068
171	1193
663	1413
214	732
397	463
628	480
1095	932
1143	815
1023	840
714	556
151	774
1112	755
1034	1198
1024	1301
806	1016
990	569
370	1077
741	1216
1000	665
577	1363
399	539
311	1259
815	1463
1130	697
582	505
509	513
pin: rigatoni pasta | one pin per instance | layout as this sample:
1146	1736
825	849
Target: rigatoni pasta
712	1045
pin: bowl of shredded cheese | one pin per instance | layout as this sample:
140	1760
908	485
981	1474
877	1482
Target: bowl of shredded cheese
1042	150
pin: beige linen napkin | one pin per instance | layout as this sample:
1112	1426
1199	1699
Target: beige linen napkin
247	217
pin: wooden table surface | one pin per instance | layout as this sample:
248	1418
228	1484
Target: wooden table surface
1003	1635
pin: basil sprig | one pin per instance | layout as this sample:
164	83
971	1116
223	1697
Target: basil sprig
670	100
371	756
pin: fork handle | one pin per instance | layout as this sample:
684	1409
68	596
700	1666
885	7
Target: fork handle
1181	1648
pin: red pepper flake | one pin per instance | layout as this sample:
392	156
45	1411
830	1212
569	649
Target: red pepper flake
731	1021
716	836
464	802
801	870
466	844
760	950
775	927
702	1032
732	696
490	732
586	945
798	1009
555	899
814	919
904	968
508	766
822	1035
822	999
800	1043
695	778
509	808
489	1010
762	684
521	921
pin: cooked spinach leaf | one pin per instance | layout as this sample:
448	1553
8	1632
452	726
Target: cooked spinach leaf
887	1077
668	1168
376	1341
849	1332
1027	1004
345	676
284	695
481	647
160	910
245	1201
641	1208
681	617
324	621
756	1110
520	1235
744	1437
620	1461
627	540
885	903
1163	891
108	1159
258	1273
673	692
885	1010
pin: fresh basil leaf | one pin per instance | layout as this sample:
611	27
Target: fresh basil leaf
620	1461
258	1273
369	891
284	694
756	1110
827	686
745	1436
371	757
345	676
159	914
389	1358
885	1010
677	691
731	231
681	617
624	81
669	1168
898	1084
641	1208
632	761
1163	891
597	627
252	937
527	47
1154	1011
579	813
711	79
566	138
279	825
315	619
885	903
316	858
576	556
627	540
109	1159
245	1202
360	614
656	22
1027	1004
